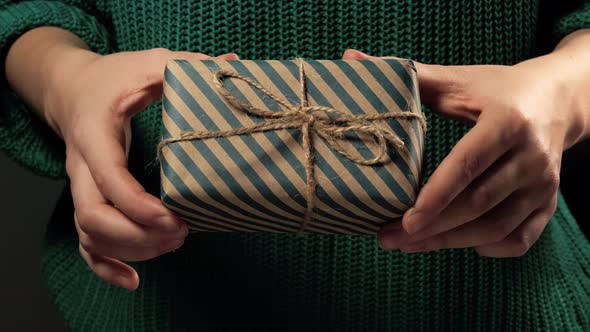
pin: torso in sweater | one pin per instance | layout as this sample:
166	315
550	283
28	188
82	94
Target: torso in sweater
282	281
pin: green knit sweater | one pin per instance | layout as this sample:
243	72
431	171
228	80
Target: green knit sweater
282	282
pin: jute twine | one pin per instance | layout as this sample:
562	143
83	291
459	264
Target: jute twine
305	117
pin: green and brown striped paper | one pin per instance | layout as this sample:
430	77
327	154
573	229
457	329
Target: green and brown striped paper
255	182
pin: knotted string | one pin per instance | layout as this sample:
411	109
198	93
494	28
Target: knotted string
306	118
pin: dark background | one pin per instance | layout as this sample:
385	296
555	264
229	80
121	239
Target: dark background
27	202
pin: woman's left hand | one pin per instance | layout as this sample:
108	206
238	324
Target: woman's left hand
497	189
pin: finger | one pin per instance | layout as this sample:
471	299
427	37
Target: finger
104	154
467	160
494	186
151	72
492	227
106	223
111	270
101	220
122	252
522	238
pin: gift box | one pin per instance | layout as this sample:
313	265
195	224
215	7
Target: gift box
291	146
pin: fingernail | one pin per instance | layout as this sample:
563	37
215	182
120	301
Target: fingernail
226	55
360	53
185	230
355	54
171	246
124	281
416	221
364	54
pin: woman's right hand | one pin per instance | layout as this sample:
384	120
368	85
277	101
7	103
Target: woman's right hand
90	104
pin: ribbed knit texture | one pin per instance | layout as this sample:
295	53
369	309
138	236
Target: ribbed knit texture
282	282
22	135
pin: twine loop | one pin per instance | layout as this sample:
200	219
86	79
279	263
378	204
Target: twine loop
314	119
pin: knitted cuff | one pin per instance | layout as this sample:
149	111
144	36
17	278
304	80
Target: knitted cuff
573	21
24	137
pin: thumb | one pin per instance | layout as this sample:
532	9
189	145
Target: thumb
441	87
162	58
152	90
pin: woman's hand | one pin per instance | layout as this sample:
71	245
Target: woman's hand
89	100
115	218
497	189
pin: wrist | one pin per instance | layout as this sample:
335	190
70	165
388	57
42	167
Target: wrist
573	52
37	65
571	97
560	86
64	78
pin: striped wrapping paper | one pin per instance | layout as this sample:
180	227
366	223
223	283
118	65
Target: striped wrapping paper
255	182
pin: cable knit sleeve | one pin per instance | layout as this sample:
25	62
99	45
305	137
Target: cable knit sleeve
24	137
573	20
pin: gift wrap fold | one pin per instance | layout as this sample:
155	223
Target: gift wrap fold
291	146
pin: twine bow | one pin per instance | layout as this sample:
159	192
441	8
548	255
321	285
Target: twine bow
305	117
